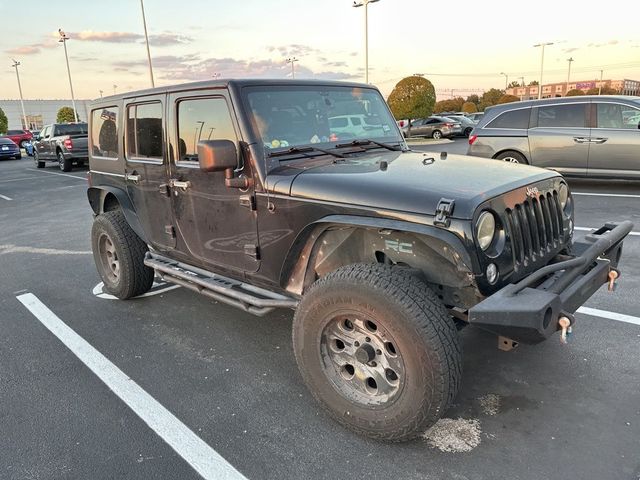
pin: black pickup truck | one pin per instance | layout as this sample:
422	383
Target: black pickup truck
249	192
64	143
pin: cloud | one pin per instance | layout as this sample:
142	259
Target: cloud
336	64
569	50
158	40
606	44
32	49
167	38
293	49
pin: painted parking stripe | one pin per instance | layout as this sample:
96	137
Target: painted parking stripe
590	229
590	194
61	174
200	456
620	317
5	197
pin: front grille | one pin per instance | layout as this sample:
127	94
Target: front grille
534	228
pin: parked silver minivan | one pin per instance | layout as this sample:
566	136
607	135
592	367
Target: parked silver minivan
595	136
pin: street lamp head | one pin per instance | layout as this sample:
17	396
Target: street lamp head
15	62
63	36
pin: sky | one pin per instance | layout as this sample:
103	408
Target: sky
462	47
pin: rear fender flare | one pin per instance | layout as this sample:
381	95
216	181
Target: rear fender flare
97	197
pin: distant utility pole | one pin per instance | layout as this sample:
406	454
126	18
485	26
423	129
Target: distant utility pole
506	81
292	61
600	86
146	37
114	88
63	40
570	59
365	4
522	81
15	65
541	66
100	93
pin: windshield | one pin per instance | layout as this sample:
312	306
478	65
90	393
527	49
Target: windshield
292	116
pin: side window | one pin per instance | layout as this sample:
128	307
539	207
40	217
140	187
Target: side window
45	132
144	131
562	116
356	121
338	122
202	119
511	119
104	132
613	115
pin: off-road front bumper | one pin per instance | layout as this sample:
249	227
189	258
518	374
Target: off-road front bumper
528	311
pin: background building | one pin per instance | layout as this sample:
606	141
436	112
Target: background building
625	87
39	112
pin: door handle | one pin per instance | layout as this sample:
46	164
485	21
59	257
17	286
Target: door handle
179	184
580	139
599	140
132	177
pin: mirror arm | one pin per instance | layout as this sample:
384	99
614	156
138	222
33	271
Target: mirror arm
234	182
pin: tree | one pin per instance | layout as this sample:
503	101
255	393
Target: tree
469	107
506	98
4	123
605	91
451	105
514	84
65	115
534	82
473	99
412	97
574	92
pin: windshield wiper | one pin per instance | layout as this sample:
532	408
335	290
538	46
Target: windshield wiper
366	141
303	150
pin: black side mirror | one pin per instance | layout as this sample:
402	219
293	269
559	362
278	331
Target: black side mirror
217	155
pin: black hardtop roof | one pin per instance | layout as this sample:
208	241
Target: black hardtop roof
551	101
228	82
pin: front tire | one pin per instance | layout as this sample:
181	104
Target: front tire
64	163
378	350
468	131
36	158
119	256
437	134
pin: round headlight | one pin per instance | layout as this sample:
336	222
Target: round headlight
563	195
485	229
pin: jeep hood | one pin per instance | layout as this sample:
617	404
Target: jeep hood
413	182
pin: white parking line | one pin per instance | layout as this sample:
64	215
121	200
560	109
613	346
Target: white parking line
620	317
56	173
589	229
202	458
20	179
589	194
5	197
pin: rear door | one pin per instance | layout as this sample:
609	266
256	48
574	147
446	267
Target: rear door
146	168
614	146
559	137
215	223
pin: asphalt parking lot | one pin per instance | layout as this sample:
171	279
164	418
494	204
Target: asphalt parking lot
538	412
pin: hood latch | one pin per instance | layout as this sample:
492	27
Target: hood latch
443	211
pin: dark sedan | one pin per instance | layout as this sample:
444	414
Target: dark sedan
8	149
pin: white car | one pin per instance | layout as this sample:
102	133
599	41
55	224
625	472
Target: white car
357	125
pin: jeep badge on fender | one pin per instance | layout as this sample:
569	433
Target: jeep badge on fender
304	195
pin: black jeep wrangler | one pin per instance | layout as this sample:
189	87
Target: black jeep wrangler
304	195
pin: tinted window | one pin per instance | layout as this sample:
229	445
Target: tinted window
70	129
104	132
613	115
562	116
14	132
338	122
144	130
6	141
511	119
202	119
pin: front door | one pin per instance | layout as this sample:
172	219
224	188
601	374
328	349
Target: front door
559	138
146	169
614	146
44	144
215	223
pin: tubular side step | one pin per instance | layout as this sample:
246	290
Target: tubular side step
249	298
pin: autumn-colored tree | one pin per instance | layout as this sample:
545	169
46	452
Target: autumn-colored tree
506	98
4	123
412	97
65	115
469	107
514	84
605	91
473	99
534	82
489	98
575	92
451	105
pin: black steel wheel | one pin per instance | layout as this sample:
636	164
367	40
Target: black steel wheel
378	350
119	256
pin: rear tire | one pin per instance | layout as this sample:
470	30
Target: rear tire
468	131
119	256
18	157
512	157
437	134
64	163
36	158
377	349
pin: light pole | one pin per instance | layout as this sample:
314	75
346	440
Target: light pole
600	86
541	66
146	37
292	61
570	59
114	88
365	4
24	115
63	40
506	81
100	93
522	81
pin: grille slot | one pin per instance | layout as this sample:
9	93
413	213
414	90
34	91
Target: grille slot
534	228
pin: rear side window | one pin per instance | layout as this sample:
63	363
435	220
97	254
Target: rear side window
511	119
614	115
104	132
562	116
144	131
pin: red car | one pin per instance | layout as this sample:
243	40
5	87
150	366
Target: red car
19	137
